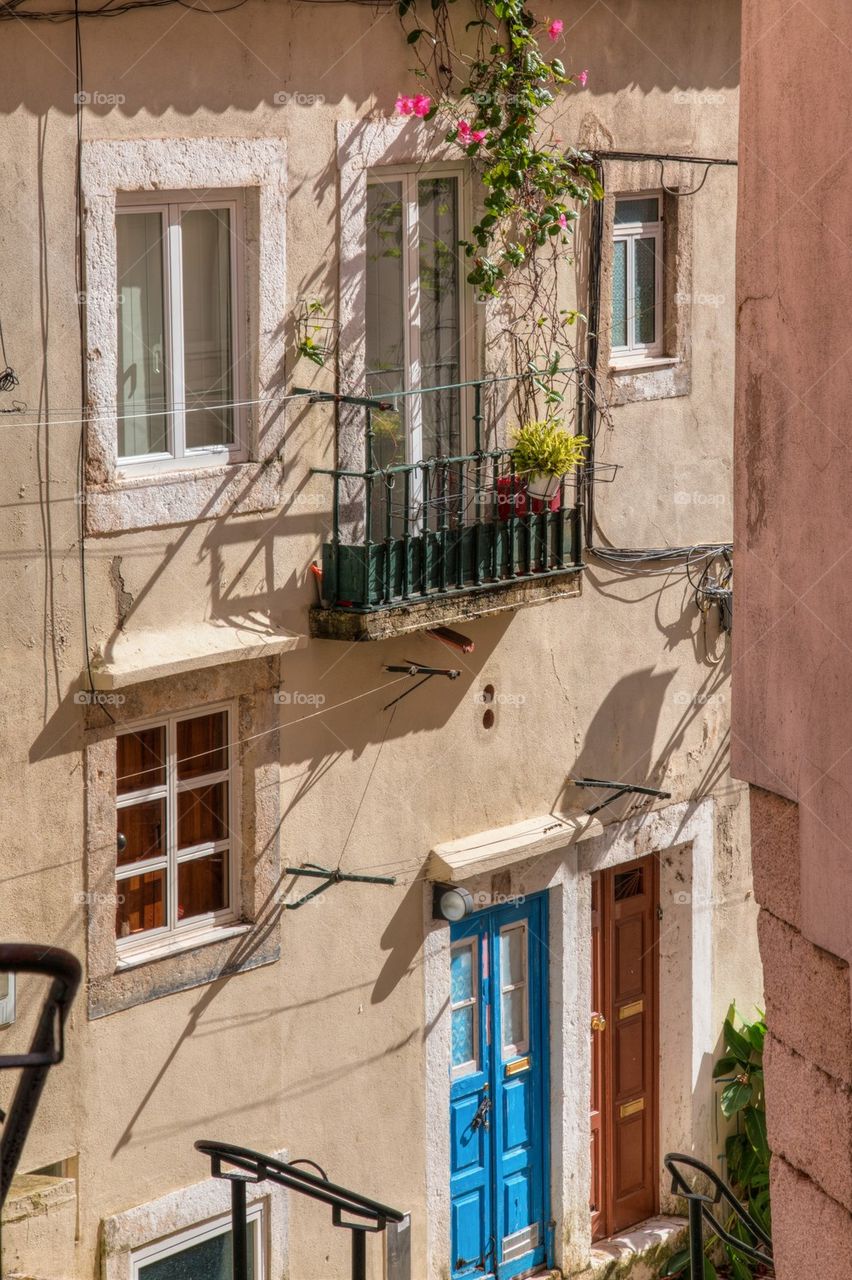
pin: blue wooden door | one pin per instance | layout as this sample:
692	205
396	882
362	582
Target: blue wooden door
498	1092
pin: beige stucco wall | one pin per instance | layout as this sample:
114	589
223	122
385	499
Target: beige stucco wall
324	1051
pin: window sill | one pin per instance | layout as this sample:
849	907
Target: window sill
640	365
162	950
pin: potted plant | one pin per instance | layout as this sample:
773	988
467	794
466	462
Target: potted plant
543	453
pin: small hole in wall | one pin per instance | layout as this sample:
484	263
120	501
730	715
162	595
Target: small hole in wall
488	719
488	693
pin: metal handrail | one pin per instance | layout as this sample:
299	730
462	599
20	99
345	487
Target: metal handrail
700	1210
47	1047
252	1166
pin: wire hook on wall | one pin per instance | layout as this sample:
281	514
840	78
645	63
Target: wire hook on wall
672	191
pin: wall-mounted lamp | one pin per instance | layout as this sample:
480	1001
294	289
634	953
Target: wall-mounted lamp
449	902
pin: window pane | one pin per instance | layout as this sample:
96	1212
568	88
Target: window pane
462	1036
4	985
141	335
438	236
619	294
514	1017
141	760
202	885
513	960
461	975
385	336
644	290
209	1260
141	903
207	333
144	829
644	210
202	815
202	745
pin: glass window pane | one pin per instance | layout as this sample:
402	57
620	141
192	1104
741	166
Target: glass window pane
141	756
208	1260
514	1017
4	985
513	958
202	885
202	745
644	290
385	338
207	331
462	1036
202	815
438	235
144	829
142	357
646	209
141	903
461	975
619	294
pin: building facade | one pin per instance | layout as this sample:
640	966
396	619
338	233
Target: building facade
217	594
790	726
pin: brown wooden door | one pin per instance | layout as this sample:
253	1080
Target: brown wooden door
624	1046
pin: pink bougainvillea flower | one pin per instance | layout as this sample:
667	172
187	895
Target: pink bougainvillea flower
562	220
463	134
405	106
478	135
421	105
555	28
583	77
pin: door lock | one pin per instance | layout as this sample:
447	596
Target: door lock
481	1115
598	1022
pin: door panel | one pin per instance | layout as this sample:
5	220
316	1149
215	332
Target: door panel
624	1055
498	1092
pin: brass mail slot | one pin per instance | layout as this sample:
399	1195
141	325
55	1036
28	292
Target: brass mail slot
630	1108
520	1064
630	1010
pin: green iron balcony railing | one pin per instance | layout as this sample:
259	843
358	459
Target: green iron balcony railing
410	532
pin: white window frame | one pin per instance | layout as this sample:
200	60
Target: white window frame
409	176
175	935
511	1049
170	1245
640	352
171	205
473	1065
7	1003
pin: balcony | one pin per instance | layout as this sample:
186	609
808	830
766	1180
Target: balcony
422	544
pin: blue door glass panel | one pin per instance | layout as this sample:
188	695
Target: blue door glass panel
499	1091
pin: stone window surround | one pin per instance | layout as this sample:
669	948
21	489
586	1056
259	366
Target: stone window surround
668	375
114	983
257	166
203	1202
683	837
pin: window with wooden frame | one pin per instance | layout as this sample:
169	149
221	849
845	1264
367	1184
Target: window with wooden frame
201	1251
176	855
637	279
180	331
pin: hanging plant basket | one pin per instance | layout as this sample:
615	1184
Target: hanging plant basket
543	485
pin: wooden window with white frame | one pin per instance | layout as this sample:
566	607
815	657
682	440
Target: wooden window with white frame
181	339
637	278
201	1251
176	852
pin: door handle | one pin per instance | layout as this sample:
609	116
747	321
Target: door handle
598	1022
481	1114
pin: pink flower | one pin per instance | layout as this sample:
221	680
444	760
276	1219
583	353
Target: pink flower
562	220
583	77
478	135
422	105
555	28
463	134
405	106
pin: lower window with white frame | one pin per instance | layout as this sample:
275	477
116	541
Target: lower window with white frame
200	1253
176	855
637	279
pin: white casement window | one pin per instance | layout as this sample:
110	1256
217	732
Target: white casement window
180	332
415	311
200	1253
7	999
176	853
637	278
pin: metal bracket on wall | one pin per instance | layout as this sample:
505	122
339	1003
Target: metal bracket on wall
328	877
620	789
417	669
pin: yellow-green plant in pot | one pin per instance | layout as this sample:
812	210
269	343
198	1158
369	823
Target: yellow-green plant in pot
543	453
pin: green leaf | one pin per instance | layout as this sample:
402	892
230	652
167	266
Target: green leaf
710	1272
734	1097
739	1046
740	1270
755	1127
756	1032
414	36
724	1067
676	1265
403	7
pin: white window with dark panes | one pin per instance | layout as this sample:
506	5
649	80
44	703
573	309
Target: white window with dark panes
637	279
7	999
415	312
200	1253
176	856
180	333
